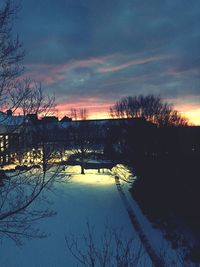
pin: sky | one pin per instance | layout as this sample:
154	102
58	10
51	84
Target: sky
91	53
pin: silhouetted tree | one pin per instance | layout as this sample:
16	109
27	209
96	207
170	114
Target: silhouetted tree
79	114
11	54
19	189
82	141
113	249
83	113
150	107
31	99
81	136
73	113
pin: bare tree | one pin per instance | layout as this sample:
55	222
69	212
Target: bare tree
81	137
21	190
82	141
29	98
16	94
73	113
83	114
150	107
113	249
79	114
11	54
17	213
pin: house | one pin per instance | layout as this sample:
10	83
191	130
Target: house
10	127
49	119
65	119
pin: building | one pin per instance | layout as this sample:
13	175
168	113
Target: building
24	138
10	127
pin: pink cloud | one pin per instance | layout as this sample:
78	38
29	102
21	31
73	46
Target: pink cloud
71	64
50	73
130	63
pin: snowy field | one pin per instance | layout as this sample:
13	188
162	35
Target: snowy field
85	198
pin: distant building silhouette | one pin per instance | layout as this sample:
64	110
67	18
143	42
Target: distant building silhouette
122	136
49	119
66	119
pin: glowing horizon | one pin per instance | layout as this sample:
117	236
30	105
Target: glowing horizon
101	111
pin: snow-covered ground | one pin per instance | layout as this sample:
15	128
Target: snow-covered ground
86	198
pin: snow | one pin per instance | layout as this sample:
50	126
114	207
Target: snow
80	199
92	198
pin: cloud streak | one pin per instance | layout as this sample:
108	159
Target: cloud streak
130	63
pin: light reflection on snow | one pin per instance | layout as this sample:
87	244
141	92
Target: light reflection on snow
91	176
8	167
94	179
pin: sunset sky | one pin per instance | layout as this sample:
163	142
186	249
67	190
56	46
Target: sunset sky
93	52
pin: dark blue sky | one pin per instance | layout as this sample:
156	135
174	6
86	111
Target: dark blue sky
93	52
